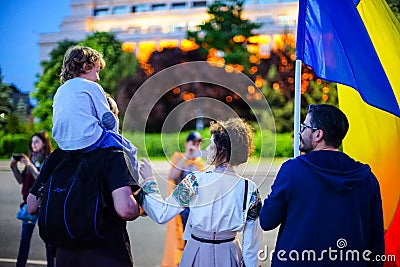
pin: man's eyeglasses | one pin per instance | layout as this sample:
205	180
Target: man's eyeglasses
303	127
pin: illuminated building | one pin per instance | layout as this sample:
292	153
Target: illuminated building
146	25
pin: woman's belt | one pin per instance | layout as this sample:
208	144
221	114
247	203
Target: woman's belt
212	241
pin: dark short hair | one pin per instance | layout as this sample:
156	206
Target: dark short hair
234	141
331	120
193	136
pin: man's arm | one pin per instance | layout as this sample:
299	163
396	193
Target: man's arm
124	203
34	197
274	210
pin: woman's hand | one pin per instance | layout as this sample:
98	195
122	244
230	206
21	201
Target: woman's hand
29	165
145	170
25	160
13	162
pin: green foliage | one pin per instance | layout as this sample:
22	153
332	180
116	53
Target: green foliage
118	66
395	6
5	98
14	109
14	143
281	108
269	144
284	145
164	145
12	124
6	104
218	33
322	93
47	85
161	145
278	74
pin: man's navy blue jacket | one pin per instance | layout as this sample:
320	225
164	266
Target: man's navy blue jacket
329	210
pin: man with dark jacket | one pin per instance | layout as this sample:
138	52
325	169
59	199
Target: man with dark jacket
105	166
327	204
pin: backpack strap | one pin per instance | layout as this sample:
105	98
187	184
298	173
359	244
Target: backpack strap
246	189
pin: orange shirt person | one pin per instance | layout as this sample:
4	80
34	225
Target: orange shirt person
182	164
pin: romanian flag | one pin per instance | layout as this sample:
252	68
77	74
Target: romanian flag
356	44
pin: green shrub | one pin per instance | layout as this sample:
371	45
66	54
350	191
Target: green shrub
1	143
15	143
284	145
161	145
267	144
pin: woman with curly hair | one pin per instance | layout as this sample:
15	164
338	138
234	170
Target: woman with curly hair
221	202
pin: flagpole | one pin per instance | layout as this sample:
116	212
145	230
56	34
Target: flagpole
297	102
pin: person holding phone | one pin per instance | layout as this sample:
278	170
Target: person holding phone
40	148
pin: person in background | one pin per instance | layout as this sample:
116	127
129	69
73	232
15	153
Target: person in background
113	108
181	165
40	148
328	205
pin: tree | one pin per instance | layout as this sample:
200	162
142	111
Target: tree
160	60
47	85
118	65
275	77
395	6
226	34
14	108
5	103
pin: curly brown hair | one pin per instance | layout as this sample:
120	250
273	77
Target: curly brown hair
234	141
74	61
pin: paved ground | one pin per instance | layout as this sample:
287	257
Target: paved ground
147	237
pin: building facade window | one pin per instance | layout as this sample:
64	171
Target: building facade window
139	8
179	27
266	20
180	5
116	30
101	11
199	4
152	29
287	20
267	1
157	7
120	10
134	29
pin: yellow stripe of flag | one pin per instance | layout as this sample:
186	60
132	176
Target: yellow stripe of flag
374	135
